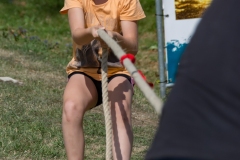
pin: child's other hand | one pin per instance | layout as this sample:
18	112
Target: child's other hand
94	30
103	44
96	36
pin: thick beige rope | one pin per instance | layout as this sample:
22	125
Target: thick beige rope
142	84
106	107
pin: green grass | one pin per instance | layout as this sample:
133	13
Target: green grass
35	46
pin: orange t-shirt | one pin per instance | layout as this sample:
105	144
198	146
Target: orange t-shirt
87	58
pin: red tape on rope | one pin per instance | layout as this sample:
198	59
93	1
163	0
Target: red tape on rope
144	77
129	56
132	59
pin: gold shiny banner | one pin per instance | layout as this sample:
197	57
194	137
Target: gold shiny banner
187	9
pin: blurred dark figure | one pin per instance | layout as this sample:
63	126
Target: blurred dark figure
201	118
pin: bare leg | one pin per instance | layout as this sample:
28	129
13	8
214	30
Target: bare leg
120	96
80	95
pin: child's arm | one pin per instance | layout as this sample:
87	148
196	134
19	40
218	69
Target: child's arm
129	39
80	34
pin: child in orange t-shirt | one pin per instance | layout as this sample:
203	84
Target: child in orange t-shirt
83	91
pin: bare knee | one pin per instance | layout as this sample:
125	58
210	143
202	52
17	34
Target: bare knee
72	112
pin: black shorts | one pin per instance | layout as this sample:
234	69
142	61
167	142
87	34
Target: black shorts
98	84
